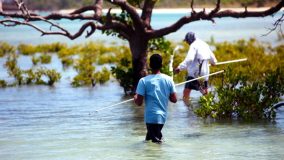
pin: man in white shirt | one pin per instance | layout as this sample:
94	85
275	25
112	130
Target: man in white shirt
197	64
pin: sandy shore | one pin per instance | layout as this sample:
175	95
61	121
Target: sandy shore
176	10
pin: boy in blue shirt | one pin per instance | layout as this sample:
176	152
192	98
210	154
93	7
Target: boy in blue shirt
157	89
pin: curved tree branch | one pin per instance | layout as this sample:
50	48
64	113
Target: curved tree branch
215	13
138	24
97	8
246	13
110	24
12	23
277	24
147	12
84	9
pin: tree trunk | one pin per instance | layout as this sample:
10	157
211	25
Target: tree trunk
1	9
138	46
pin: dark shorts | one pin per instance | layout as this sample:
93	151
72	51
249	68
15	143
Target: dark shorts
195	85
154	132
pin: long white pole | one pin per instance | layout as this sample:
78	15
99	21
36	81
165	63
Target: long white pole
232	61
219	63
200	77
175	85
115	104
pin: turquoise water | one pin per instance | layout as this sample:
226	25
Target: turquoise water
225	29
40	122
61	123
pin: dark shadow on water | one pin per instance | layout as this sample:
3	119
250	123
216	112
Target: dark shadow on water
194	135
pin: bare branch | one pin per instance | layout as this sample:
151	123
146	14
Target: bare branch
1	9
277	24
246	13
97	8
192	8
52	16
111	24
84	9
216	13
216	9
11	23
131	11
147	12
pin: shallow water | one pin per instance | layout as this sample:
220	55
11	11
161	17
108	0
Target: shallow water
61	123
41	122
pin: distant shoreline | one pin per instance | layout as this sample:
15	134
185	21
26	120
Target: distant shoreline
176	10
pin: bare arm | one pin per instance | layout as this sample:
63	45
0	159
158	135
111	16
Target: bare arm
173	97
138	99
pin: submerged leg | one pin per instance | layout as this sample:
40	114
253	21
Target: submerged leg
186	96
204	89
154	132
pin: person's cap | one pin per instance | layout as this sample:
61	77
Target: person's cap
189	37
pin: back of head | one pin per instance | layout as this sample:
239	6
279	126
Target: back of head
190	37
156	62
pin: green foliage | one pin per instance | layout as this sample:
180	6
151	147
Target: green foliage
30	76
66	55
103	76
86	71
248	89
123	72
43	59
51	48
13	69
35	60
262	58
3	83
27	49
164	48
5	49
123	17
240	98
52	76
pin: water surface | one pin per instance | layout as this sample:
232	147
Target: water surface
60	122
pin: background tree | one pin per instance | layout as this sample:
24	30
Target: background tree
130	24
1	10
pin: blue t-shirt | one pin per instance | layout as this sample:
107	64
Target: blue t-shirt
156	89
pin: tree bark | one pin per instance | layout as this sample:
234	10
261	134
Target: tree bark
1	9
138	46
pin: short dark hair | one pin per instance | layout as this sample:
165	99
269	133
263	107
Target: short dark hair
156	61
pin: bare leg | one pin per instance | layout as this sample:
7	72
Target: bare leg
186	94
204	89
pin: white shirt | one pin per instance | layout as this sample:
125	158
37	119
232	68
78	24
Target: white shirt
199	55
